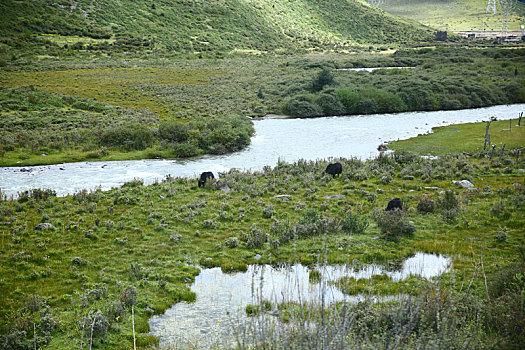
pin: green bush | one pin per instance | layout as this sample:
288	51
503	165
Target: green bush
348	98
367	106
324	78
173	131
128	137
387	102
302	106
185	150
329	104
393	224
354	223
425	206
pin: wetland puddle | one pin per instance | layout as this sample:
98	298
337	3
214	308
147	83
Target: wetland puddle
222	297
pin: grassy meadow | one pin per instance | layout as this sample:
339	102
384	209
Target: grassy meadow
100	253
466	138
106	80
132	108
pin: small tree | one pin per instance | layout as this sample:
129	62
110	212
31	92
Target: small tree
322	79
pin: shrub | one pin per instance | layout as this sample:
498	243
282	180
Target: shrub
448	205
256	238
268	211
128	137
329	104
231	242
129	296
302	106
354	223
367	106
185	150
348	98
325	77
173	131
393	224
425	206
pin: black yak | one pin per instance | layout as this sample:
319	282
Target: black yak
334	169
394	204
206	176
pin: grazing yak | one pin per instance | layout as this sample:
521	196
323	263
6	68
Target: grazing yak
334	169
394	204
206	176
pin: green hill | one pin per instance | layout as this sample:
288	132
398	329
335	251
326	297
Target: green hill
200	25
455	15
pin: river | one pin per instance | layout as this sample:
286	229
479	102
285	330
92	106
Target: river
287	139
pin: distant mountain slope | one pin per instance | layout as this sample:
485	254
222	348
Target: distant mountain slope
455	15
202	25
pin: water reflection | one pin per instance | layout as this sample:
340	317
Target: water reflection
222	298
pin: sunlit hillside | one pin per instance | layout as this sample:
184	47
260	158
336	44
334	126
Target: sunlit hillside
456	15
200	26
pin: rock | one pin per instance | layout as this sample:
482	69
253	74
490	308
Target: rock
25	170
521	170
44	226
222	186
284	197
463	183
431	188
257	257
7	223
334	196
382	147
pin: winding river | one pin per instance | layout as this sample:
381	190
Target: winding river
286	139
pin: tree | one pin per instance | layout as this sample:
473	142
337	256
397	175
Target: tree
324	78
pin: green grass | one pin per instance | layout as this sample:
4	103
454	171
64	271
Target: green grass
470	138
150	237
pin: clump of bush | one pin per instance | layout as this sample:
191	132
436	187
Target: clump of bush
354	223
448	205
256	237
425	205
231	242
393	224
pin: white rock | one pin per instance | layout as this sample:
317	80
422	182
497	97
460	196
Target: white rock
463	183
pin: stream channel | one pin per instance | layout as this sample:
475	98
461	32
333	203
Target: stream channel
217	318
286	139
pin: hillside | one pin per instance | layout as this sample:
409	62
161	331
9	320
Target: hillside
455	15
199	26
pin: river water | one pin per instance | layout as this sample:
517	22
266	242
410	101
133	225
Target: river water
288	139
218	313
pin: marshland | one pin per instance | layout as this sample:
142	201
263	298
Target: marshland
111	110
